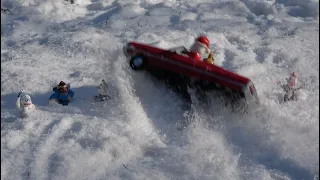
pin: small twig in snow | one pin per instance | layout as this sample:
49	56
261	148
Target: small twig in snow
5	10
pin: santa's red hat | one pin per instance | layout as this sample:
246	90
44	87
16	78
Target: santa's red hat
203	41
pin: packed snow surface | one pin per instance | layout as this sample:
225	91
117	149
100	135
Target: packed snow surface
134	134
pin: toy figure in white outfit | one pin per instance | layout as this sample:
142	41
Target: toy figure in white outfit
24	104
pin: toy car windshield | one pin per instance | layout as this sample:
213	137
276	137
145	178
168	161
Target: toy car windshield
179	50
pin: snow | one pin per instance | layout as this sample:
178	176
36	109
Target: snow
134	134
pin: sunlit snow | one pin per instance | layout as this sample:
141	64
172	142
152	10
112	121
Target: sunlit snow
134	135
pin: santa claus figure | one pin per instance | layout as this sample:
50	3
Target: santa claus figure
200	50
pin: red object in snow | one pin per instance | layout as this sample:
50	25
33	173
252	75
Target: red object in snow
177	60
194	55
204	40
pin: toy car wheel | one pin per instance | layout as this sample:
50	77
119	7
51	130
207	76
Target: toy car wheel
137	62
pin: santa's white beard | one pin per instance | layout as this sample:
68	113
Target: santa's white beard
200	49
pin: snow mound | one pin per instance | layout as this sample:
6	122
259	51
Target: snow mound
131	10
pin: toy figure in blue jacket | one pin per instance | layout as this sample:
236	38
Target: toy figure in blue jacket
62	94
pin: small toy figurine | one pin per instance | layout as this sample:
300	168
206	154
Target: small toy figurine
102	88
24	104
200	50
62	94
290	88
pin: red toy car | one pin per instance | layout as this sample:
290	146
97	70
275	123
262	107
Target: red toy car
176	61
